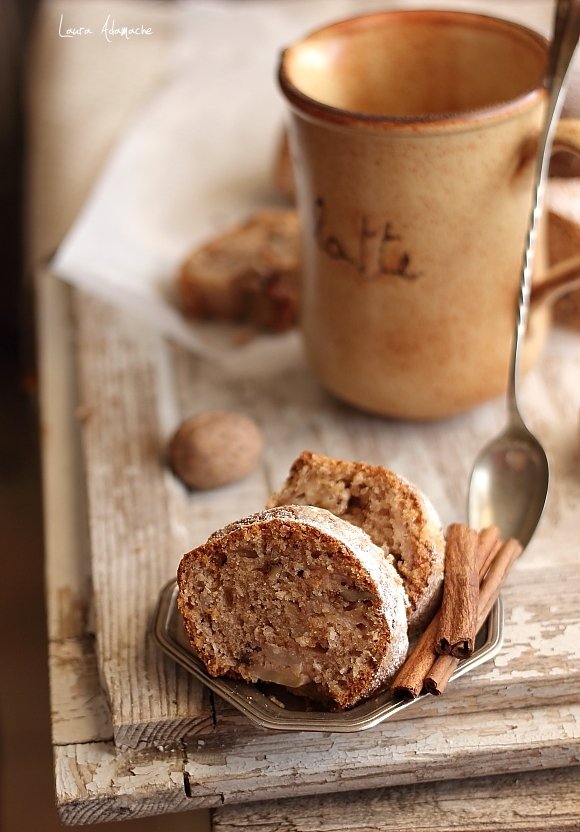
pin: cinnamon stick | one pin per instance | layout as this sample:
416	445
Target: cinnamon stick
457	623
493	581
441	672
444	666
410	678
489	543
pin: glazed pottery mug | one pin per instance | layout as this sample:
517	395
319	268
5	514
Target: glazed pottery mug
413	136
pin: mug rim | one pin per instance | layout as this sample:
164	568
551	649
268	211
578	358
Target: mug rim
460	119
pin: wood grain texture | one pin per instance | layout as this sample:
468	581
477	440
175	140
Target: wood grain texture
100	782
78	706
269	765
79	709
137	523
67	543
544	801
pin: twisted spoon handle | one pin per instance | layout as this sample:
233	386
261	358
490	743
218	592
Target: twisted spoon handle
564	42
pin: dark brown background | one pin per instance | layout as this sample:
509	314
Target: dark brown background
26	796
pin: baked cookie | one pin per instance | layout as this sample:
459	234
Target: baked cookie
250	273
297	597
396	516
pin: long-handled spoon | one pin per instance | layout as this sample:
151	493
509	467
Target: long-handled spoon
509	481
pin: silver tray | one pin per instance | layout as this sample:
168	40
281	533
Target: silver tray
268	707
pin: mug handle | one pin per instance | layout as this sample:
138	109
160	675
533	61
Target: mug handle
563	277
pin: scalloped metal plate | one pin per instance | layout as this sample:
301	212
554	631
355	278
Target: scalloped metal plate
268	711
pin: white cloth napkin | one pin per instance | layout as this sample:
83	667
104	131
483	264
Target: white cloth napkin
200	154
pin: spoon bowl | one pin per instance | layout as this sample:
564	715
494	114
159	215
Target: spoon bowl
509	484
509	481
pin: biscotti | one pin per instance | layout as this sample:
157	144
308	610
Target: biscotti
297	597
397	517
250	273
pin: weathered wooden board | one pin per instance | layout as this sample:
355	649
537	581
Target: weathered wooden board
81	724
537	802
269	765
98	781
78	706
138	523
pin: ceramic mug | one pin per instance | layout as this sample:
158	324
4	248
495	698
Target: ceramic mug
413	137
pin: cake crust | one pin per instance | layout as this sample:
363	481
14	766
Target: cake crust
398	518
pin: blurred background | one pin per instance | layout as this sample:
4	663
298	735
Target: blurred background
26	799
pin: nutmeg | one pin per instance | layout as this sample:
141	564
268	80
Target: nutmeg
215	448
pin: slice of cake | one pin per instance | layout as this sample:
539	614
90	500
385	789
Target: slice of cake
250	273
297	597
396	516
